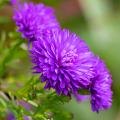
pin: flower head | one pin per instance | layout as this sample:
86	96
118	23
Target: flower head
64	60
101	94
32	19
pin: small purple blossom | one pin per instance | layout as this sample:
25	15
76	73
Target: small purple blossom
101	94
32	19
27	117
65	61
10	116
24	104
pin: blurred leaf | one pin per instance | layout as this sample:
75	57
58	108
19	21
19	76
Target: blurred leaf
8	57
4	20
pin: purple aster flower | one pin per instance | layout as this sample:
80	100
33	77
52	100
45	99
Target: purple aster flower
32	19
101	94
64	61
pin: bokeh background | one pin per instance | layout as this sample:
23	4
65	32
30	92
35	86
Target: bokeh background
95	21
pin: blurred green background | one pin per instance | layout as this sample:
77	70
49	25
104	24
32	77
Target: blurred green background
95	21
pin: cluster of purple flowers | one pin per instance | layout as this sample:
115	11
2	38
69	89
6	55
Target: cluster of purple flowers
64	60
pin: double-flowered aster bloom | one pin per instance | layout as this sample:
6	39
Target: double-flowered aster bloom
32	19
64	61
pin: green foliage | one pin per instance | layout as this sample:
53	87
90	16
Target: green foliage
3	2
45	104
